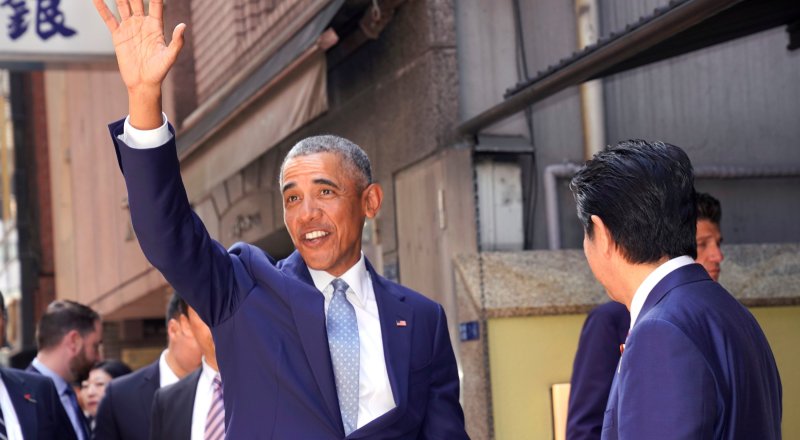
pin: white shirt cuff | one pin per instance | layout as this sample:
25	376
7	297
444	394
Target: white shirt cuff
143	139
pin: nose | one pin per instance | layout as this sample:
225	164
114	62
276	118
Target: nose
309	210
715	253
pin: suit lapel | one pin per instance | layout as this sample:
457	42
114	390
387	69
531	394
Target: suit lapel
397	325
25	409
150	383
682	275
308	310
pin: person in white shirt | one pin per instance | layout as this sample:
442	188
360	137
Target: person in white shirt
124	412
192	408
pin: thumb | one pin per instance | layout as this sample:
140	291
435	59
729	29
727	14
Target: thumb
177	41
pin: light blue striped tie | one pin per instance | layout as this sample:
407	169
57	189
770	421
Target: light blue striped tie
343	344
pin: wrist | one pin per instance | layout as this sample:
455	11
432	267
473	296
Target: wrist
144	107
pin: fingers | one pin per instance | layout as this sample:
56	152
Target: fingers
156	9
124	10
177	42
137	7
106	15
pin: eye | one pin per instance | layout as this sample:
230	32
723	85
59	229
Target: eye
291	199
326	191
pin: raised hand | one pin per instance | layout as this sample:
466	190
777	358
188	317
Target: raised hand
143	56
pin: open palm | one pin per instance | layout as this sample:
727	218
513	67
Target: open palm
142	53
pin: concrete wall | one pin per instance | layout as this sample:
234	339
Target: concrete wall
732	104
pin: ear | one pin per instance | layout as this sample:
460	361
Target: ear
173	327
371	200
602	236
74	341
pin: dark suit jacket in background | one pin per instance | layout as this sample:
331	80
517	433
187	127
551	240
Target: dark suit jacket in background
268	323
81	417
39	410
593	370
696	365
124	412
173	406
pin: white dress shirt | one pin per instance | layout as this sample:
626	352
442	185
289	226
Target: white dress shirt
204	394
375	396
650	282
165	373
13	428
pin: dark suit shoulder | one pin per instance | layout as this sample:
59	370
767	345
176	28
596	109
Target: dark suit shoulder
188	383
132	381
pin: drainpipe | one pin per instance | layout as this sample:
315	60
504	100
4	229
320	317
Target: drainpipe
591	92
565	170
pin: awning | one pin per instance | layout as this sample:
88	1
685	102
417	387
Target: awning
678	28
257	110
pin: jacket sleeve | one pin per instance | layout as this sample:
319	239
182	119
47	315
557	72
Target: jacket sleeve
592	373
105	423
444	417
666	390
173	237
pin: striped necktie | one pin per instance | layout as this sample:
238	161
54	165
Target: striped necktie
215	420
3	432
344	346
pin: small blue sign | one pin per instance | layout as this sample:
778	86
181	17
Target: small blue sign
469	331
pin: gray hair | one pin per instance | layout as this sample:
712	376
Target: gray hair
352	155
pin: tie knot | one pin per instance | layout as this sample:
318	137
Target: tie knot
339	286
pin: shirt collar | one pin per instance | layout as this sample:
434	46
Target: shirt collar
355	277
650	282
207	371
61	384
165	374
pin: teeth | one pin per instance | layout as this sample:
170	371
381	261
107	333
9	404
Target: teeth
315	234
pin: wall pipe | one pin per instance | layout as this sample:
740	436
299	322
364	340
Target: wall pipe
563	170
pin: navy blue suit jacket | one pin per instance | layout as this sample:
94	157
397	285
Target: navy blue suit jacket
596	361
696	365
124	412
268	323
37	405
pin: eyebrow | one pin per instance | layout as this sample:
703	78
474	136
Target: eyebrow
319	181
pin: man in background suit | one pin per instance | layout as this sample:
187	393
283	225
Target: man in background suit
607	326
317	345
191	409
68	336
696	363
124	412
29	404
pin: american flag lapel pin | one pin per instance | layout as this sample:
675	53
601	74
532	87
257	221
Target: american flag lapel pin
401	323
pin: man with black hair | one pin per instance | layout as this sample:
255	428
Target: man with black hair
68	336
29	404
606	328
124	412
688	364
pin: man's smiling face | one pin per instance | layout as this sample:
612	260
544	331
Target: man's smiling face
324	206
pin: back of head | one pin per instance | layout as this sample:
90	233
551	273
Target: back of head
644	194
175	307
113	367
61	317
708	208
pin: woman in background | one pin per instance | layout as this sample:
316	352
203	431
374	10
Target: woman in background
94	388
